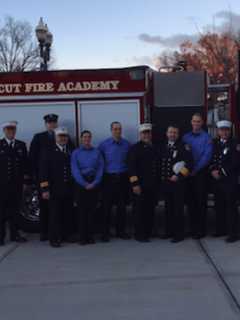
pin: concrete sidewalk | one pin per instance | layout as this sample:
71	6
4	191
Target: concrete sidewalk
113	281
7	250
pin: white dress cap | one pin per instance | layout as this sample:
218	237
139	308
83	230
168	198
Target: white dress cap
61	130
145	127
224	124
9	124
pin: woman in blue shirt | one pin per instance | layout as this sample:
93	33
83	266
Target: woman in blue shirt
87	169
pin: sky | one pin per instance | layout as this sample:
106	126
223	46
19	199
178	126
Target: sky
120	33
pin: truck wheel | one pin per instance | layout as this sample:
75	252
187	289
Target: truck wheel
29	214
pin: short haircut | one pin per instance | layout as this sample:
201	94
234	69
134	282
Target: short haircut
197	114
86	131
115	122
172	125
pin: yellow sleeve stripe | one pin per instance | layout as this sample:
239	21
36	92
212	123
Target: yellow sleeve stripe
133	179
44	184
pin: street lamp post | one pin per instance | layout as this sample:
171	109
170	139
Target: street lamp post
45	39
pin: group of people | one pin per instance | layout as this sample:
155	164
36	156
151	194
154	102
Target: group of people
116	173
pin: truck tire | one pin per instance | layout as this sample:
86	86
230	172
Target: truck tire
29	213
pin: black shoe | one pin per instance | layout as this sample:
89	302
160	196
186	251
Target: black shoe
71	239
55	244
231	239
91	241
105	239
123	236
165	236
219	234
43	237
19	239
177	239
198	236
2	243
83	242
142	239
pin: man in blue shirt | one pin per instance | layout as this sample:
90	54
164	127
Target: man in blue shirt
200	143
115	184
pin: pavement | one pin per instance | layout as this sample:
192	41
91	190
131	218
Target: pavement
120	280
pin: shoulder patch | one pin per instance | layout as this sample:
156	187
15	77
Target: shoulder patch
187	147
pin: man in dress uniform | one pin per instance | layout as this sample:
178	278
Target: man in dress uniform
224	172
56	184
142	166
175	167
14	174
201	146
41	141
115	183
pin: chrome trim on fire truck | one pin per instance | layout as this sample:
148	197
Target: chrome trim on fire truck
73	96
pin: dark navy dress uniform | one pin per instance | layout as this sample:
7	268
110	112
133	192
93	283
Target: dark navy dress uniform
173	192
115	184
14	172
55	176
41	142
226	159
201	147
87	168
143	172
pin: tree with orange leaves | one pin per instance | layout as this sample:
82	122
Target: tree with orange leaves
213	52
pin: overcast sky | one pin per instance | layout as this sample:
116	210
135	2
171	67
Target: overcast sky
113	33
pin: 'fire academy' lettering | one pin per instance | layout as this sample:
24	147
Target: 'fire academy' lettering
88	86
62	87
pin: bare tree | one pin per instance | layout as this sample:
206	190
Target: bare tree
18	50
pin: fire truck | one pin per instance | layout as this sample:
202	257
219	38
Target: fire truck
92	99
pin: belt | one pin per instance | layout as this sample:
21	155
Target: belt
116	175
89	179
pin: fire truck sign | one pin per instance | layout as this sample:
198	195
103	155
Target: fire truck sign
69	82
62	87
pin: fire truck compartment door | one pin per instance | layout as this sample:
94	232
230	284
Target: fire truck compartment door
97	116
30	117
179	89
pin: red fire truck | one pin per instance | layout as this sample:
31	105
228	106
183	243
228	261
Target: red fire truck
92	99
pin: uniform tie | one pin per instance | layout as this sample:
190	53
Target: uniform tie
11	145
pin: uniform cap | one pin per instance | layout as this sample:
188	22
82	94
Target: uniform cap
9	124
51	117
61	130
145	127
224	124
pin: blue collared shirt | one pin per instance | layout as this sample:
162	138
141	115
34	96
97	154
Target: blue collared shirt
87	162
115	155
201	146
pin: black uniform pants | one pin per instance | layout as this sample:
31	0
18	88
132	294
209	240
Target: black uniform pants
10	201
87	203
197	198
144	206
60	217
44	216
115	191
173	193
225	196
